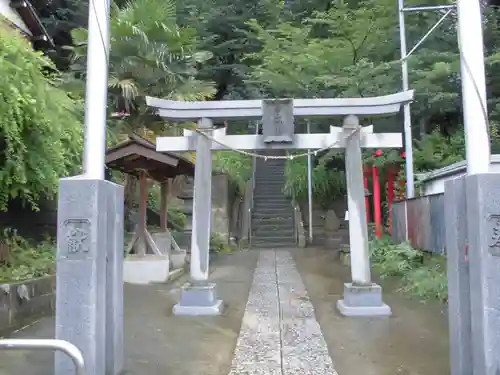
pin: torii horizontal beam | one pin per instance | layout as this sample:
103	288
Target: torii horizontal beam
252	109
247	142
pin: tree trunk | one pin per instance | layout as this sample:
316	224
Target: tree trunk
130	199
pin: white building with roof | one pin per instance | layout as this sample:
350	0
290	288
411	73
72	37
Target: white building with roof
433	182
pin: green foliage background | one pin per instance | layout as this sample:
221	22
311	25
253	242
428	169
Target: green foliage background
27	260
40	124
237	166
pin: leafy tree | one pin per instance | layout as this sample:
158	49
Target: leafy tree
221	26
351	49
60	17
40	125
328	181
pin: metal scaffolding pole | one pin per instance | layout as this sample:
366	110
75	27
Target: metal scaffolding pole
96	89
410	186
309	187
410	179
470	41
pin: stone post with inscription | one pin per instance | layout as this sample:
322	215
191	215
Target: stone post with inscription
483	232
114	279
472	210
459	306
482	192
89	286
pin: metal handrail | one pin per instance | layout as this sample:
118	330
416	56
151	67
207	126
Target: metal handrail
296	222
249	228
48	344
252	189
254	169
250	209
295	231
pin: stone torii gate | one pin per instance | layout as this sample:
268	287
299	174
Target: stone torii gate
361	296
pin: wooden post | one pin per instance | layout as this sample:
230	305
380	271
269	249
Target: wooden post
165	190
366	174
376	202
402	182
390	193
143	204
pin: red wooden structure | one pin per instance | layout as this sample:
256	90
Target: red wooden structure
367	171
374	172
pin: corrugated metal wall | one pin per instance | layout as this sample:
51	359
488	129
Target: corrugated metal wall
422	220
399	221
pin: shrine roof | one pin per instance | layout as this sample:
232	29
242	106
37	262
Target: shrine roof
27	13
136	155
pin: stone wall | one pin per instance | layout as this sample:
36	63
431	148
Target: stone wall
320	232
220	204
244	207
31	224
339	205
22	302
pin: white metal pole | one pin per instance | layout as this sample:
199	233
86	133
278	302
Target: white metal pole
309	188
426	8
410	189
428	33
470	40
49	345
96	89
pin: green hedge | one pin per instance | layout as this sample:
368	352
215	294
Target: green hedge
421	274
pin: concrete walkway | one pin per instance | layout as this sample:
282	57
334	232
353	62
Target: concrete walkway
279	334
279	320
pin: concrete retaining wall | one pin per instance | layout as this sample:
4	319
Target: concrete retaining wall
22	302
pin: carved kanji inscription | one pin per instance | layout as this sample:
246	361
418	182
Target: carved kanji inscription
494	244
76	238
277	120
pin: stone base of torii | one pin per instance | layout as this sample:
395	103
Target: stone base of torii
362	297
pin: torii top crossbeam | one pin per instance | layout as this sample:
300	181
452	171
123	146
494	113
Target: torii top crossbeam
278	122
252	109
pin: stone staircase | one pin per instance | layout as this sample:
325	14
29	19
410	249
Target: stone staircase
272	215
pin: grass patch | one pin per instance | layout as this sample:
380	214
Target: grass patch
421	274
26	260
219	244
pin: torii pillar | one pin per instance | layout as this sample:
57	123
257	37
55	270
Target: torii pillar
361	296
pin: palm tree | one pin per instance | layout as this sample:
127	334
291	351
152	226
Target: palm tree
149	55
